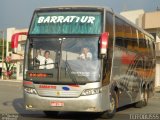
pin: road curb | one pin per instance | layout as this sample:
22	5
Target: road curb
11	80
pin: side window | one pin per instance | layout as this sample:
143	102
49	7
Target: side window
127	36
151	48
134	40
109	28
142	43
119	32
145	45
148	45
108	59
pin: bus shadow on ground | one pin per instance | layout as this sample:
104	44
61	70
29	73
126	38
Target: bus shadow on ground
126	107
18	105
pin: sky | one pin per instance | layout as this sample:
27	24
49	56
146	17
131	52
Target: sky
18	13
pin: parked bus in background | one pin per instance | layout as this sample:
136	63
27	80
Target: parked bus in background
99	61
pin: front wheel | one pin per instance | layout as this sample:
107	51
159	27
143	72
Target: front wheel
113	105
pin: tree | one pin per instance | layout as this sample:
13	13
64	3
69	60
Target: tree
9	67
1	46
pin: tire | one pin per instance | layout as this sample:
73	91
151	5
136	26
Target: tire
146	96
144	101
51	113
113	105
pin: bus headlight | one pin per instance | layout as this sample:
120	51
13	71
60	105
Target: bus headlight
91	91
30	90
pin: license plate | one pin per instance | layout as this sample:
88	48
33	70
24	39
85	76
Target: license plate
57	104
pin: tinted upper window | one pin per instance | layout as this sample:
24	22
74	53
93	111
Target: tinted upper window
66	23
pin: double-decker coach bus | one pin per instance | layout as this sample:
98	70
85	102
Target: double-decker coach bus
97	61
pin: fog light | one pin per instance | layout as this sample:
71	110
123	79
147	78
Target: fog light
29	106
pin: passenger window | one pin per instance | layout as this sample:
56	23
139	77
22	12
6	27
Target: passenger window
128	36
109	28
119	29
142	43
134	40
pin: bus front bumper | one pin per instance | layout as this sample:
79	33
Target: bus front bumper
91	103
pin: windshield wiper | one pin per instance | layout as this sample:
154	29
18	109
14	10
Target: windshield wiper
70	71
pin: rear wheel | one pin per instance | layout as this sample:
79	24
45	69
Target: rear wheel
146	96
144	101
51	113
113	105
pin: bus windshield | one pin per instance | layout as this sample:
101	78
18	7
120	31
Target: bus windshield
66	23
76	58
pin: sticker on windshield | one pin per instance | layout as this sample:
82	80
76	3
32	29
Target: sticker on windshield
82	73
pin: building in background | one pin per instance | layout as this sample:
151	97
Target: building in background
16	58
135	16
2	51
149	21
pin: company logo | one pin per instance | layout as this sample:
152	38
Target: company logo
58	93
66	88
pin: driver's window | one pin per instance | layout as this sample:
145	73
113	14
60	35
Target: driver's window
43	53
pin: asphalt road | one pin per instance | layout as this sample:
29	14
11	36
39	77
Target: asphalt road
11	108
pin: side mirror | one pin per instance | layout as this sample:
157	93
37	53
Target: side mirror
104	43
14	41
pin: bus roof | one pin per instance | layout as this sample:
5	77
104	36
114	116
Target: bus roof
73	7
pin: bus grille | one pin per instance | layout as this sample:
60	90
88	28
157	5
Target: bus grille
50	93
